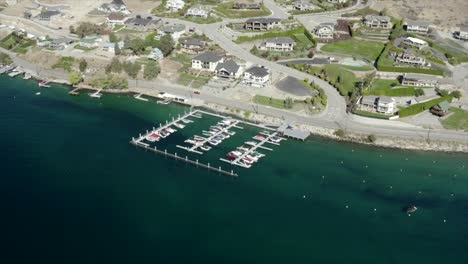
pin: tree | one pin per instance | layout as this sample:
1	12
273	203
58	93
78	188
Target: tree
137	45
83	65
132	69
456	94
109	81
151	70
418	92
310	54
113	38
166	44
288	103
371	138
75	78
72	29
115	66
5	58
117	50
87	28
340	133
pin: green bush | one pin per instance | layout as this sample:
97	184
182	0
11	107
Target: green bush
419	108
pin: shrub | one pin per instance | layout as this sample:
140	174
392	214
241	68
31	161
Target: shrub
340	133
371	138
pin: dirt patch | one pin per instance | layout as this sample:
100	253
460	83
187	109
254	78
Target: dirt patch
170	70
447	13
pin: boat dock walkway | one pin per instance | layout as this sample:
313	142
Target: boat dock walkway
168	124
186	159
252	149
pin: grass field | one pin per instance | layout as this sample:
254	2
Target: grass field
17	44
457	121
269	101
392	88
226	10
365	49
196	82
65	63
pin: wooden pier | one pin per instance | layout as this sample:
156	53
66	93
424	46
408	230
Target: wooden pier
75	91
185	159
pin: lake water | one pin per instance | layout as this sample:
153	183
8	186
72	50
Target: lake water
73	190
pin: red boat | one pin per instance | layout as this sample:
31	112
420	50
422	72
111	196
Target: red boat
156	136
231	156
259	137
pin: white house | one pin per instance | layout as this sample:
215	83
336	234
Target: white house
206	61
408	57
110	46
198	12
256	77
419	80
303	5
462	33
337	1
176	31
175	5
324	31
228	69
90	41
415	42
374	21
116	19
156	54
417	26
116	6
278	44
386	105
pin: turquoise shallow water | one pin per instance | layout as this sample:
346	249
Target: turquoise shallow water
72	190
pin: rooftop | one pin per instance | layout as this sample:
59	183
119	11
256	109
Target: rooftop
419	76
416	40
230	66
379	18
258	71
386	99
263	20
421	23
444	106
280	40
208	56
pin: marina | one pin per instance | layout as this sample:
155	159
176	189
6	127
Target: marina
211	138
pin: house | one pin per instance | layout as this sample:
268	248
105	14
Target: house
369	101
408	57
303	5
206	61
116	19
176	31
441	109
263	23
110	46
198	12
374	21
193	44
337	1
386	105
90	41
116	6
175	5
47	15
278	44
256	76
324	31
415	42
462	34
142	24
60	43
245	4
418	80
417	26
228	70
156	54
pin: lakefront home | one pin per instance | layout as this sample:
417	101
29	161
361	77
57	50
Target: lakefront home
116	6
110	46
337	1
175	5
263	23
198	12
206	61
142	24
245	4
176	31
409	57
324	31
60	43
278	44
302	5
382	104
192	44
47	15
415	42
417	26
116	19
462	34
418	80
374	21
228	70
256	76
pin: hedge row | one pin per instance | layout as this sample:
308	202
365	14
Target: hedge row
369	114
412	70
419	108
299	30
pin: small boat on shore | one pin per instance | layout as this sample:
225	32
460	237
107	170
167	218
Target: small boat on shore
44	84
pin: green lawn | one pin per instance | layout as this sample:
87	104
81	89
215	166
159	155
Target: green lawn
196	82
17	44
391	88
419	108
372	115
366	49
77	46
65	63
269	101
454	56
457	121
226	10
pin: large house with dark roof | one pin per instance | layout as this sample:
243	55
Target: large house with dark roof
278	44
206	61
256	76
193	44
462	34
374	21
417	26
263	23
176	31
116	6
141	23
116	19
47	15
228	69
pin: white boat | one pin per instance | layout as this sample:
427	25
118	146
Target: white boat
96	94
165	102
211	133
231	133
236	153
251	143
254	158
214	142
275	139
197	115
187	121
171	130
225	135
27	76
179	125
199	138
244	164
242	148
38	93
190	141
205	148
